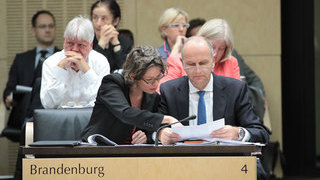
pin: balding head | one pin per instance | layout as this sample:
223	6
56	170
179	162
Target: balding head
197	59
196	42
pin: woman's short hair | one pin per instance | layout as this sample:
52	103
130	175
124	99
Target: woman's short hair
217	29
169	16
113	6
139	60
81	28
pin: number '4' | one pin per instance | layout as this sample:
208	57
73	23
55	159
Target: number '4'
244	168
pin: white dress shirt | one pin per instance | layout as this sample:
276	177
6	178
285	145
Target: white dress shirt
60	87
194	98
208	98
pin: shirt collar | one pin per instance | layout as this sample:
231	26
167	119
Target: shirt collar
209	86
49	49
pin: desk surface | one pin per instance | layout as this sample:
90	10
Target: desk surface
117	151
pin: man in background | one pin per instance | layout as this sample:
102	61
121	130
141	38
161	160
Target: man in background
26	68
72	77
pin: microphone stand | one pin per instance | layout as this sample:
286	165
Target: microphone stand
156	143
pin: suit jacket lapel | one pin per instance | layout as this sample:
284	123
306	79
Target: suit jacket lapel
183	99
219	98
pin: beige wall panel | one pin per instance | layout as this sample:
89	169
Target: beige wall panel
255	25
3	32
268	68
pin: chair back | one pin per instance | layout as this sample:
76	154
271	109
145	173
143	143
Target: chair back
60	124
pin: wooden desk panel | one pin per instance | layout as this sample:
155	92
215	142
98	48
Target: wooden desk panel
140	168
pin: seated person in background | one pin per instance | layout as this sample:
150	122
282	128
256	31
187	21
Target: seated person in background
72	76
218	32
256	88
195	25
105	16
173	25
126	102
26	68
218	96
126	33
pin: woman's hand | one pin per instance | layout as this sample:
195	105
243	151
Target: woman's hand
139	137
108	34
178	45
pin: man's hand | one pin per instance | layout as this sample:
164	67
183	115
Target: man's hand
75	61
227	132
139	137
108	34
166	136
9	102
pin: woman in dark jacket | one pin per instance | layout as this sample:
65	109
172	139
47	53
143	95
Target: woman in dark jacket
127	102
105	16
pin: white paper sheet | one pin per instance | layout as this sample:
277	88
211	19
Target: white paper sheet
202	131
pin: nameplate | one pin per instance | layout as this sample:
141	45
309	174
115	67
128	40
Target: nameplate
132	168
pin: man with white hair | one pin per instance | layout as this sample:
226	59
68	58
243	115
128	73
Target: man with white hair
71	77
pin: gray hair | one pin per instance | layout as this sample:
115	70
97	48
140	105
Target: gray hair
198	37
216	29
81	28
139	60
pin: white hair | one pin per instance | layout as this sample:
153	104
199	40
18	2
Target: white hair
216	29
81	28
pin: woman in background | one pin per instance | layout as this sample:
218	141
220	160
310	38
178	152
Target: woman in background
173	26
126	103
218	32
105	16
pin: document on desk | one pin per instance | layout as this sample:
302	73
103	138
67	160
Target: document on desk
202	131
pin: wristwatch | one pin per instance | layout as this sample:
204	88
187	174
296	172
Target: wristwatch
241	133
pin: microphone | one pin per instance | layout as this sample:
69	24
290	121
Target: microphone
167	125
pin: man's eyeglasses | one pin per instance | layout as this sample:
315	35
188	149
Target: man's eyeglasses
43	26
176	25
201	67
151	81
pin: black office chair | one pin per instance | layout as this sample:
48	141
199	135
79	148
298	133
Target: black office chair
59	124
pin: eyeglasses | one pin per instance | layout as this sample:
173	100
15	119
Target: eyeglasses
151	81
176	25
44	26
201	67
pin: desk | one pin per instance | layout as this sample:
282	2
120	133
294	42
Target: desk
140	162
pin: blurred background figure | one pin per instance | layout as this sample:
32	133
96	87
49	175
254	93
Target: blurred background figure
105	16
126	33
195	25
218	32
26	68
173	25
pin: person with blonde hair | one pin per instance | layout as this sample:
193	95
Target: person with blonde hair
218	32
173	25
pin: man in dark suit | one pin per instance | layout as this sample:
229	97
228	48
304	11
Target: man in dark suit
27	66
222	97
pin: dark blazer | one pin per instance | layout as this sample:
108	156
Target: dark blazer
21	73
230	101
115	59
114	117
